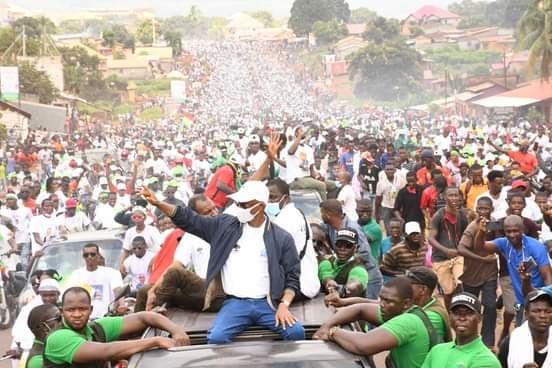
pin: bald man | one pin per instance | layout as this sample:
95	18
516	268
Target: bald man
518	250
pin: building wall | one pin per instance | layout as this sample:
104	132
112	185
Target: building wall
16	121
129	73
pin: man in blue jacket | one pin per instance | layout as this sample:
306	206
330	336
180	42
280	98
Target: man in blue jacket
254	261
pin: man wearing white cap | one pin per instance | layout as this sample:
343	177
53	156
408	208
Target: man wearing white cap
254	261
255	157
123	198
49	292
407	254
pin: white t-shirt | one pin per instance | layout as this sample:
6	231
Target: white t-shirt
21	333
388	190
150	234
75	224
21	219
138	269
193	253
297	165
105	215
257	160
245	273
46	227
291	220
348	198
102	282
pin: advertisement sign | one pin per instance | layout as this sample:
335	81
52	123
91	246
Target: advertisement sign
178	91
9	83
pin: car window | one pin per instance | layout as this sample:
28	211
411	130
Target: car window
66	257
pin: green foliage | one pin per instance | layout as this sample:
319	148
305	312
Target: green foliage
144	33
70	26
36	82
534	30
174	40
158	87
362	15
453	56
416	31
191	26
263	16
215	27
117	34
7	36
153	113
385	71
534	115
119	55
3	132
329	32
34	26
502	13
304	13
380	30
123	109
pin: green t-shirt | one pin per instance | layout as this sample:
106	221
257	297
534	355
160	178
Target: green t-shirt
374	234
434	317
330	270
62	344
35	361
472	355
412	338
436	320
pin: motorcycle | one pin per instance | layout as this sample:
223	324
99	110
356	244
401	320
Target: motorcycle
12	282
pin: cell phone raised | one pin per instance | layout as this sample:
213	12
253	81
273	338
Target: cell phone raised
494	226
529	264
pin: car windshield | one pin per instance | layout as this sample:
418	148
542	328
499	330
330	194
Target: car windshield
66	257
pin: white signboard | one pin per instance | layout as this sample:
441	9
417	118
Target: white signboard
9	83
178	91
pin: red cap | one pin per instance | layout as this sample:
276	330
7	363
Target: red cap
71	203
519	184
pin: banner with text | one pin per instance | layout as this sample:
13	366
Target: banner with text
9	83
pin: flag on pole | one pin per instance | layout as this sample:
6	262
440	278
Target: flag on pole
187	119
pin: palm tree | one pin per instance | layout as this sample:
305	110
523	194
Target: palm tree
535	35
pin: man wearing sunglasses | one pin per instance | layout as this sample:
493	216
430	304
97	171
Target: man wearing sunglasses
104	281
253	260
344	274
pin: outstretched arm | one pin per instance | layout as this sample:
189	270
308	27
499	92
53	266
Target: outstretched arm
92	352
138	322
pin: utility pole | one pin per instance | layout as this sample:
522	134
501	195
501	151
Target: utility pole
153	29
505	68
24	38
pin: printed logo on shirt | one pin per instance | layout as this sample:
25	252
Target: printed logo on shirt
98	292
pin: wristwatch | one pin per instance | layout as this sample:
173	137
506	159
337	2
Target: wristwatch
286	303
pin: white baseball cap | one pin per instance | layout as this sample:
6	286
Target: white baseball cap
49	285
252	190
412	227
103	180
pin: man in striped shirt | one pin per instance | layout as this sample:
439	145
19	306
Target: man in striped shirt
407	254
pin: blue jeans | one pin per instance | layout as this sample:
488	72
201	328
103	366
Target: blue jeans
488	299
238	314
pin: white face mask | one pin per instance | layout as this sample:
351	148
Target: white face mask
244	215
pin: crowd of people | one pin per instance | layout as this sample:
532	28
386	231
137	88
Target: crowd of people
434	233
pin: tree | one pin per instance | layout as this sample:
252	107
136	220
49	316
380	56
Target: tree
80	69
263	16
468	8
362	15
7	36
117	34
534	115
70	26
144	33
380	30
385	71
535	34
174	40
36	82
34	26
304	13
329	32
216	28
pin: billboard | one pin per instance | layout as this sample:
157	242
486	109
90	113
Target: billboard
178	91
9	83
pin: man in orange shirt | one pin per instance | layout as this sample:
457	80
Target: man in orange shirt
528	163
423	175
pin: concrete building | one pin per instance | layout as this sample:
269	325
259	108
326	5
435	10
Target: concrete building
15	119
132	68
347	46
430	17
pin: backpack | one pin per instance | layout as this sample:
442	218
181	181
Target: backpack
434	338
97	336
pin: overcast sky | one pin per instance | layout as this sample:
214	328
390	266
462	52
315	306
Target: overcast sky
280	8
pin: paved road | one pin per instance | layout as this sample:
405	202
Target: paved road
5	341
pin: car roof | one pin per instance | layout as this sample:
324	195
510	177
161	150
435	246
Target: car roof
90	236
250	354
311	313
